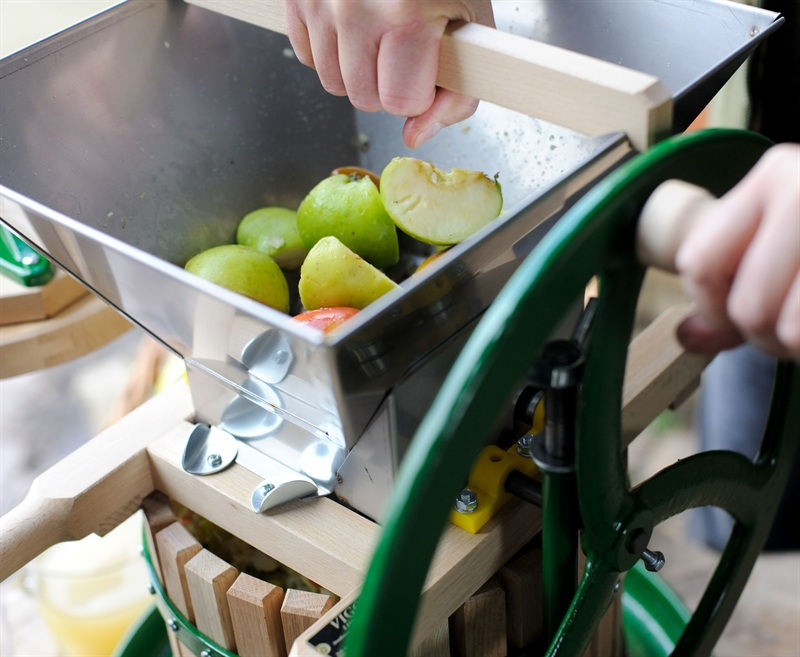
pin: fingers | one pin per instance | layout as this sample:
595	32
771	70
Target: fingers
408	62
447	109
740	264
384	55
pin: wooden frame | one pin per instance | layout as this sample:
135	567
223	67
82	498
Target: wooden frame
107	479
564	87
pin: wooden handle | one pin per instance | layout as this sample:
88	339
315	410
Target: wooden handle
30	528
665	220
551	83
93	489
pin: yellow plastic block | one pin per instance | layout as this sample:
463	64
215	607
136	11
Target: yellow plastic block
487	479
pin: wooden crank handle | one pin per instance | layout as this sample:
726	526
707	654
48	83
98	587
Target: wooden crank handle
562	86
666	219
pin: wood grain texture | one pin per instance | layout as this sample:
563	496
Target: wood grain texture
208	578
93	489
256	612
19	303
478	627
158	514
320	538
521	579
568	88
300	609
177	546
85	325
659	372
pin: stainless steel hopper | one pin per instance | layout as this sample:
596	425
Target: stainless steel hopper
141	136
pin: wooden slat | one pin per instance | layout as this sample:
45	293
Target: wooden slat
300	609
320	538
158	514
176	546
208	578
256	614
565	87
659	371
521	579
84	326
478	627
436	644
93	489
19	303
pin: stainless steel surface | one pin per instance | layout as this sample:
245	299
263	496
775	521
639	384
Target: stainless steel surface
691	46
136	139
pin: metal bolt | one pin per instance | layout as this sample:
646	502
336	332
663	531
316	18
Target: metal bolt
524	445
266	488
214	460
151	588
206	653
653	561
173	625
467	501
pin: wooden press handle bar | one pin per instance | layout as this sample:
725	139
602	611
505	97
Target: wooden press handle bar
665	220
94	488
550	83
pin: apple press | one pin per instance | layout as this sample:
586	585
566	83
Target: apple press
140	137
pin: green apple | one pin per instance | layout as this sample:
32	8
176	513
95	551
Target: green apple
435	206
243	270
349	207
332	275
273	231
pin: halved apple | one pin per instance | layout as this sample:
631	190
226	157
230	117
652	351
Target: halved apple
333	275
436	206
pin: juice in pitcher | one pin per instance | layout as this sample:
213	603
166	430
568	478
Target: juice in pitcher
91	591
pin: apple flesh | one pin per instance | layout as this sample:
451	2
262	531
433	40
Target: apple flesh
333	275
243	270
273	230
349	207
436	206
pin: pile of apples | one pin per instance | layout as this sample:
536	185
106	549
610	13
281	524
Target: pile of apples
344	233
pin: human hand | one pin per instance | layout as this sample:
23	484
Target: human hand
384	55
740	263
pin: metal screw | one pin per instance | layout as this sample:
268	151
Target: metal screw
151	588
266	488
214	460
173	625
280	357
467	501
653	561
524	445
206	653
